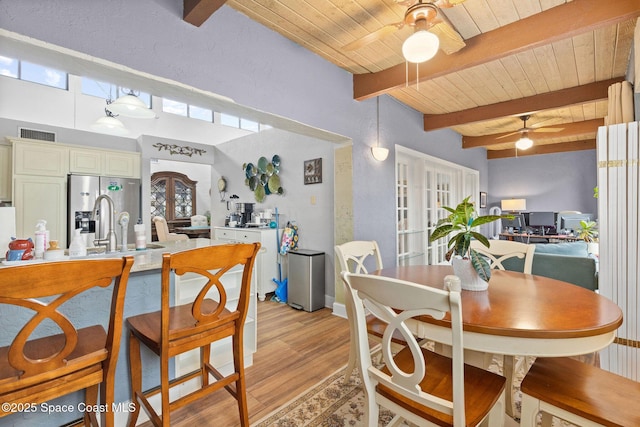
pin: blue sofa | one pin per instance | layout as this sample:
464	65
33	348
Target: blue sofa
569	262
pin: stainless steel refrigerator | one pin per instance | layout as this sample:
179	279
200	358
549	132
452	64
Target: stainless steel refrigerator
83	190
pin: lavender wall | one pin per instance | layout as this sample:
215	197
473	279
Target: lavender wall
236	57
551	182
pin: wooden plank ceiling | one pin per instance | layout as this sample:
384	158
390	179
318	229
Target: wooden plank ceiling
550	59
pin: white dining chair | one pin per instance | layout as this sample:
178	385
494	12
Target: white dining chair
498	252
354	257
502	250
418	385
162	230
199	221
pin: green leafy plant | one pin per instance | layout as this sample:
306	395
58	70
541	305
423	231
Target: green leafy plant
460	225
588	231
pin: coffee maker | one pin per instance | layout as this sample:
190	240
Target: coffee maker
245	210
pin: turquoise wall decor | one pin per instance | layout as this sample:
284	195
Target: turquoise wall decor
263	177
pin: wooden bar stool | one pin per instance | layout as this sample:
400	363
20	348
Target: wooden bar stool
38	370
578	393
175	330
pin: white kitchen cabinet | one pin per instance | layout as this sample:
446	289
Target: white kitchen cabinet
5	172
40	158
86	162
104	162
122	163
267	263
41	197
186	288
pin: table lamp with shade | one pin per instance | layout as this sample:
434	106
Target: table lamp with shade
513	205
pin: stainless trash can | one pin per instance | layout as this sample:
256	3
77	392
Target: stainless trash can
305	287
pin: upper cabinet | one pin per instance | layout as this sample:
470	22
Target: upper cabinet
58	160
104	162
40	158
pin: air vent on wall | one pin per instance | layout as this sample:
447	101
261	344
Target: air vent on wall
40	135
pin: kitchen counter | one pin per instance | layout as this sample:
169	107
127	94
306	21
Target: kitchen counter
144	260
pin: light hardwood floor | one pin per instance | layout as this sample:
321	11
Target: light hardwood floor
296	350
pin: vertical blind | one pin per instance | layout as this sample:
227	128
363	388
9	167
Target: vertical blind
619	231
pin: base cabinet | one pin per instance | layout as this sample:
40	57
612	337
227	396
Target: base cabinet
267	267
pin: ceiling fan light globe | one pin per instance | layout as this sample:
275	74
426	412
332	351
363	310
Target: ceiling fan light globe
524	143
420	46
131	106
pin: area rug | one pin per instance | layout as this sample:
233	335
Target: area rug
332	403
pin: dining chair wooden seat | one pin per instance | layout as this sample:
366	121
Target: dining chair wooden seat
352	257
416	384
213	315
578	393
73	357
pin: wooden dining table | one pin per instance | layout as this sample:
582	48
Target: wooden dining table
521	314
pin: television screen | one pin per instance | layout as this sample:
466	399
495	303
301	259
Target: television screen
517	223
572	222
542	219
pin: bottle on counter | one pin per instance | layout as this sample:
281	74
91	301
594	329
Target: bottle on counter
42	239
77	247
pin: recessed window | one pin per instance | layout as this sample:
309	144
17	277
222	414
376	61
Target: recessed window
97	88
229	120
9	67
249	125
44	75
200	113
174	107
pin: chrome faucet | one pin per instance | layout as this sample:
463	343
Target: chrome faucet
110	240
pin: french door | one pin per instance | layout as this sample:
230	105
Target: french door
424	185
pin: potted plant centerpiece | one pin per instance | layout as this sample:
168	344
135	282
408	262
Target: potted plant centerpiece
471	267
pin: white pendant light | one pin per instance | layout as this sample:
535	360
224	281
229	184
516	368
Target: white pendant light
110	124
379	153
524	142
420	46
130	105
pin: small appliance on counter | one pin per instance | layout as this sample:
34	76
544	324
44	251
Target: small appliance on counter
245	210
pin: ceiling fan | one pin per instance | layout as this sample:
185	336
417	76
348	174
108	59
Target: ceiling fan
525	142
421	16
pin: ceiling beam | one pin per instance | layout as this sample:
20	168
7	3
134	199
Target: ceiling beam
530	105
541	29
196	12
568	130
587	144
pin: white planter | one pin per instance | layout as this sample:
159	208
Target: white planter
469	278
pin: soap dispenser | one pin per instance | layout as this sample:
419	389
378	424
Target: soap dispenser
42	239
77	247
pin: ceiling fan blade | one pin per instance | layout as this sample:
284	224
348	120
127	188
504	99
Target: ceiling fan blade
376	35
508	135
450	40
549	129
